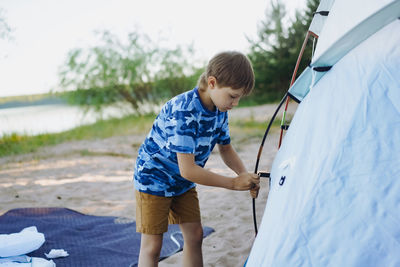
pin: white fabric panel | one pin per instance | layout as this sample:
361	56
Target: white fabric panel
28	240
352	13
338	205
341	47
318	21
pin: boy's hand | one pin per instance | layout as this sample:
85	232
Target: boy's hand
247	181
254	192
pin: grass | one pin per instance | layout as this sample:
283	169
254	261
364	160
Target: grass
15	144
242	131
86	152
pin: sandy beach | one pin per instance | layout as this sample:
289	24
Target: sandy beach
95	177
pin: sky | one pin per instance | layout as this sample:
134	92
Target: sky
43	31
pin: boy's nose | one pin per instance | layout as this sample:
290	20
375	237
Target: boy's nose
235	102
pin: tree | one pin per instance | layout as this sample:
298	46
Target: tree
176	74
6	34
275	53
136	72
5	29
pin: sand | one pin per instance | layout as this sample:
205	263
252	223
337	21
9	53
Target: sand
95	177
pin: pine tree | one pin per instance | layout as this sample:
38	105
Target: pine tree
275	53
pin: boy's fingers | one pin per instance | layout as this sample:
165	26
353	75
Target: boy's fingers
254	193
255	186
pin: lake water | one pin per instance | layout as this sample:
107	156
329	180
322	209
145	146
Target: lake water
53	118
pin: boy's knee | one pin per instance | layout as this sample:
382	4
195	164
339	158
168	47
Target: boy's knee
196	237
151	248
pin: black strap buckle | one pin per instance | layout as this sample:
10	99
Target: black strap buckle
285	127
264	175
322	13
322	69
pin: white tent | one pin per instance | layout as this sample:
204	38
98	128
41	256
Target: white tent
335	182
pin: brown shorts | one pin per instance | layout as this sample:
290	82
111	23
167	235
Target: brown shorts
153	213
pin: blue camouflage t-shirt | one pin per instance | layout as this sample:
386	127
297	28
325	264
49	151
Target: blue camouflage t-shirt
184	125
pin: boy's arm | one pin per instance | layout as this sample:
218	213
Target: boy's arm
231	158
192	172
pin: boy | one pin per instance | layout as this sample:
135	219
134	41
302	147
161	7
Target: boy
171	159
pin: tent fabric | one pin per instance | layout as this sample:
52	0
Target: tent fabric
318	21
346	15
89	240
340	166
341	46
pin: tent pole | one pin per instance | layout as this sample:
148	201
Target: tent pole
309	33
286	96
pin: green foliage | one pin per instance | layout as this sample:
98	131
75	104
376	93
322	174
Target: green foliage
15	144
136	71
176	74
275	53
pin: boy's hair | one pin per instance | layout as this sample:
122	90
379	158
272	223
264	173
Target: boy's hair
230	69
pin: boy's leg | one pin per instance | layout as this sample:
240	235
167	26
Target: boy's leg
150	247
193	240
185	211
152	221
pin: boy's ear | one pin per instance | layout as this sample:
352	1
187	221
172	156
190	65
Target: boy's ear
212	82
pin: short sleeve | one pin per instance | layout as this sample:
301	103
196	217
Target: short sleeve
181	131
224	137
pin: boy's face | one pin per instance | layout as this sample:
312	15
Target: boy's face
225	98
